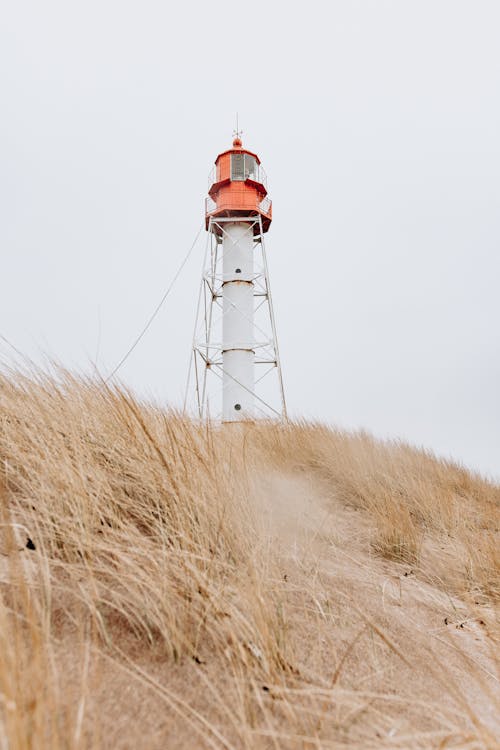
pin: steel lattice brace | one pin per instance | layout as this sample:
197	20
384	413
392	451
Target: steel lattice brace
220	311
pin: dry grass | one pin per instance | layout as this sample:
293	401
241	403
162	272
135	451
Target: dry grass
267	587
412	496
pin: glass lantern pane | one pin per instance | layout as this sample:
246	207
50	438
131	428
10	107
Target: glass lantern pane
238	166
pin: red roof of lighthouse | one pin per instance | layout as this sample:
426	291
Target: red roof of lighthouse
238	148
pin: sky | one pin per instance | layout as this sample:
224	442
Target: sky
378	124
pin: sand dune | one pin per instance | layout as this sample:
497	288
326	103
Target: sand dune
261	587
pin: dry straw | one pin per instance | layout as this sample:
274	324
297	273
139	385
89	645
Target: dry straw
170	584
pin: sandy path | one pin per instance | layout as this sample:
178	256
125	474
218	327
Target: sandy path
453	664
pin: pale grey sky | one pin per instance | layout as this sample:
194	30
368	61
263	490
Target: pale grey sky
378	123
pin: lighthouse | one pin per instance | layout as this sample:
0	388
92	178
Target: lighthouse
235	342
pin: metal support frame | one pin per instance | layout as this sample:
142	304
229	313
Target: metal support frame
206	355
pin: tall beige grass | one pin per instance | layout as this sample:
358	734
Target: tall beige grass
154	611
415	499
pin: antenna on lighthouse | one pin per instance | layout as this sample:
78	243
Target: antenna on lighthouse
237	133
235	343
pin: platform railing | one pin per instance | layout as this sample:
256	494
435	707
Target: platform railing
210	205
211	177
262	176
264	206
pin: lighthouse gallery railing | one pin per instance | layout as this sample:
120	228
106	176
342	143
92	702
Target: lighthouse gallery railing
263	205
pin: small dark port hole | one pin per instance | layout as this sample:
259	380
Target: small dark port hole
237	407
238	270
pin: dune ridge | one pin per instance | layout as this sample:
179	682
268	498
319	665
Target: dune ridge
170	584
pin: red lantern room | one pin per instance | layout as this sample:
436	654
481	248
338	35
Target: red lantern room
237	187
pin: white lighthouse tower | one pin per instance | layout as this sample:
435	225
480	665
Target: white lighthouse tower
234	343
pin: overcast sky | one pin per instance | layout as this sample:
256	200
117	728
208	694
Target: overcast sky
378	123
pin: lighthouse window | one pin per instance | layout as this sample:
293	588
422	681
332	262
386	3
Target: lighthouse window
238	166
250	167
243	167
